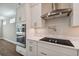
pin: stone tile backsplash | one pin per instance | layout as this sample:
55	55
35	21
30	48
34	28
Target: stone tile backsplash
62	26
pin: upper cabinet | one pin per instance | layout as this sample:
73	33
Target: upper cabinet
75	15
36	11
20	13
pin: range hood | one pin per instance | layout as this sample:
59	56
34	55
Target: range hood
57	12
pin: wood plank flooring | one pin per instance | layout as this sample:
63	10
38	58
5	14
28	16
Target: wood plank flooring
7	48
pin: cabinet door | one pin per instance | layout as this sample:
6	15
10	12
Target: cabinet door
21	50
32	51
36	16
42	51
45	49
75	17
20	14
31	48
46	52
23	13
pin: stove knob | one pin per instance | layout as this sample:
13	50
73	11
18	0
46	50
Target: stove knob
52	40
49	40
55	41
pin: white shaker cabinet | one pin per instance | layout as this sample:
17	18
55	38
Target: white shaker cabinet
40	48
32	48
36	16
45	49
56	52
75	15
21	50
20	14
37	10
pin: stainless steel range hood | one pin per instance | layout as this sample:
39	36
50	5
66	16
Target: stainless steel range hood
57	12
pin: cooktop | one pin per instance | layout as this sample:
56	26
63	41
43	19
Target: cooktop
57	41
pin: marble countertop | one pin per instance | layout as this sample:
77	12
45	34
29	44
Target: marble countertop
74	40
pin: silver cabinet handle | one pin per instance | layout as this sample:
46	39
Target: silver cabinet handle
30	48
43	53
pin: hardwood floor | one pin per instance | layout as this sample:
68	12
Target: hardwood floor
7	48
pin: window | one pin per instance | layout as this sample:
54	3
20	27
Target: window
4	22
12	20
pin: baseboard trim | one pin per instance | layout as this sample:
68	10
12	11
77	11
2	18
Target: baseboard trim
10	41
1	37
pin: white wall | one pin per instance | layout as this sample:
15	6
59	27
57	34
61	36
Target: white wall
9	31
1	29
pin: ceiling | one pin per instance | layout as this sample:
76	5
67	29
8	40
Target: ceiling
7	10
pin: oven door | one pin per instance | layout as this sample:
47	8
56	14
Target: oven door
21	40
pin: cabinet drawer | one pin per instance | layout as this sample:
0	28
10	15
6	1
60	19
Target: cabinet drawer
57	49
20	50
31	42
46	52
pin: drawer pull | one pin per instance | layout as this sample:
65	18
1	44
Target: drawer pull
43	53
30	48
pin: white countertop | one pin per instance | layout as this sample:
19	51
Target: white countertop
74	40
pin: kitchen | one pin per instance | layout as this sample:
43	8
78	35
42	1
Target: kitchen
40	29
51	29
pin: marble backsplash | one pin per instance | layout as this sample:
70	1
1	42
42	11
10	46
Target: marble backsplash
62	26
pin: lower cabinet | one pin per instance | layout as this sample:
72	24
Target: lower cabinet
45	49
50	52
44	52
21	50
32	51
32	48
38	48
